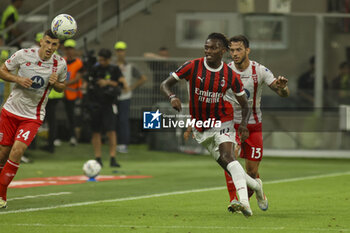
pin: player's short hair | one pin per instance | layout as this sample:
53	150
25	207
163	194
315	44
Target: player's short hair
240	38
50	34
219	36
105	53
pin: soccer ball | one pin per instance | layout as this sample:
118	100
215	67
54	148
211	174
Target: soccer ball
64	26
91	168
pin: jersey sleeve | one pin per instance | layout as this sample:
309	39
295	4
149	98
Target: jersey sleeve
62	75
15	60
184	71
267	75
237	85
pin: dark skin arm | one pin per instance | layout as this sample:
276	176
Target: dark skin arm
165	88
242	129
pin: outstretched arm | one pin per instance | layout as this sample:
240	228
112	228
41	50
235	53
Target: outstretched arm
280	86
165	88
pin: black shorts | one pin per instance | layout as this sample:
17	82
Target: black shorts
103	118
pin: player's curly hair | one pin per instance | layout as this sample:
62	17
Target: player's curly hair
221	37
240	38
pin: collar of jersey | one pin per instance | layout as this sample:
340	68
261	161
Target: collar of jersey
241	72
211	69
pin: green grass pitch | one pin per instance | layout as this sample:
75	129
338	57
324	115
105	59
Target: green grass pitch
185	194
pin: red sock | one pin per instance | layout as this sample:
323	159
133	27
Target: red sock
1	167
230	187
6	176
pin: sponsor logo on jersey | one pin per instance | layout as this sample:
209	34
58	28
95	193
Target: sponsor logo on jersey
247	92
38	82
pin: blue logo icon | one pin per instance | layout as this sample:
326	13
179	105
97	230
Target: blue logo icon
151	120
38	82
247	93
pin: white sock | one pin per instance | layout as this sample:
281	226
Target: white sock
238	178
251	183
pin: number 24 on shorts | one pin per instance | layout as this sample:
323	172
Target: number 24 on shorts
23	135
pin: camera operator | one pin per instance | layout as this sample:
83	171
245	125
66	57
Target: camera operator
104	85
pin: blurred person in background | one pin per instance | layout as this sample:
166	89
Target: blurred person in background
9	17
38	37
341	83
104	83
161	68
73	92
134	80
306	84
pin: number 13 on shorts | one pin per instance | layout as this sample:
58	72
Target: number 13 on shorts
256	153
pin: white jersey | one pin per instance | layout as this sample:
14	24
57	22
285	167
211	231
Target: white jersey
30	102
253	79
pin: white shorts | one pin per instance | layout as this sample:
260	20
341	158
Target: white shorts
212	138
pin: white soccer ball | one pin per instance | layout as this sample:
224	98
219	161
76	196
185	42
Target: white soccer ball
64	26
91	168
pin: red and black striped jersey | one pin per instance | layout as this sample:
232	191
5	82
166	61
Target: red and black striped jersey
207	87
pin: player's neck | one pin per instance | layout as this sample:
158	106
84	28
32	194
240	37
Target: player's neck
243	66
121	62
214	65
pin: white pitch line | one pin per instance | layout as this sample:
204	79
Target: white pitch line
177	227
40	195
163	194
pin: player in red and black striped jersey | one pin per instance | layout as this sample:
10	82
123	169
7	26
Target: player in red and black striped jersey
209	78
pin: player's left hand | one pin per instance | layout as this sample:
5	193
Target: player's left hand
281	82
243	132
53	78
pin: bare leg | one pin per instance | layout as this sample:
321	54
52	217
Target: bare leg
252	168
112	137
4	154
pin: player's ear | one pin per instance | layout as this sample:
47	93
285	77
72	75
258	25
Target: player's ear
248	51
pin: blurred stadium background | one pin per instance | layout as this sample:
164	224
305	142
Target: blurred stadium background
284	35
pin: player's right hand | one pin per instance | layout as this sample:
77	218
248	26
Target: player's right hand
176	104
24	82
53	78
